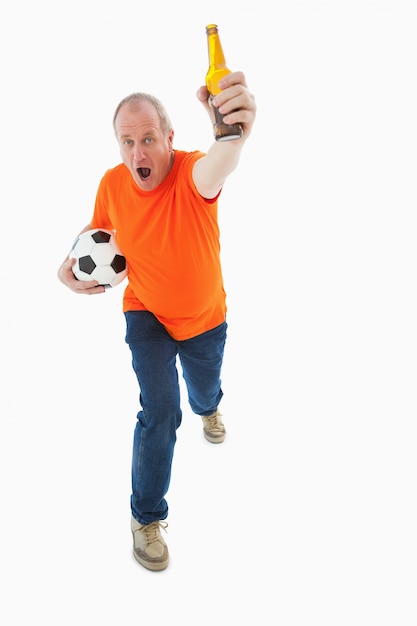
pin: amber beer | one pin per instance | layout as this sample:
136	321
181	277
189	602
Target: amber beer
217	69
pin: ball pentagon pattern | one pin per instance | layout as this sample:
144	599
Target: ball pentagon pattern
98	257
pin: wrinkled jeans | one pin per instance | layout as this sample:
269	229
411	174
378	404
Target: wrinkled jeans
154	360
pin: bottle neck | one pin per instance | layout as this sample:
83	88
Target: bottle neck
215	51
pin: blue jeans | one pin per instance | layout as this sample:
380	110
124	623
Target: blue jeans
154	354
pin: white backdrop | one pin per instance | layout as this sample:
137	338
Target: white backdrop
307	513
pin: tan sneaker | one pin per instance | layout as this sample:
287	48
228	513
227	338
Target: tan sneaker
213	428
149	549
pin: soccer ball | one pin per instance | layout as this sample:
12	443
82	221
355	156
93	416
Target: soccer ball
98	257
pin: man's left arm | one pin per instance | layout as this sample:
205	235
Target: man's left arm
238	106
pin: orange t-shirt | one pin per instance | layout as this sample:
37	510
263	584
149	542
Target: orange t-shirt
170	238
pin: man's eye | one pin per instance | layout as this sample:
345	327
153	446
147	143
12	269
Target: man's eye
148	140
128	142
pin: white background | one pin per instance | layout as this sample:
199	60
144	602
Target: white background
307	513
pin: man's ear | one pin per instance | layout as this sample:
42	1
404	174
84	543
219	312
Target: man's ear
171	140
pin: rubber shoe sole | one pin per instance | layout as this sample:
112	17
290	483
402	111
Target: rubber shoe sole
154	565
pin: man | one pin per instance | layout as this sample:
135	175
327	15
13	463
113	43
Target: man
162	204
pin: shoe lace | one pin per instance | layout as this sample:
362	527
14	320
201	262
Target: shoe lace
214	422
152	531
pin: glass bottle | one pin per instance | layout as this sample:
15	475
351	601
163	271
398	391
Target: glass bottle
216	71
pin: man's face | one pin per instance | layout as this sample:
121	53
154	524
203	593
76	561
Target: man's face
145	150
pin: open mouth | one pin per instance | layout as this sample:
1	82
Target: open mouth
144	172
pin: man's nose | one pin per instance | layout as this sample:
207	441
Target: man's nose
138	153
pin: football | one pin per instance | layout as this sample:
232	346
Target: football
98	257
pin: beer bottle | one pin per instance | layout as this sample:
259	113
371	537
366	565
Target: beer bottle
217	69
